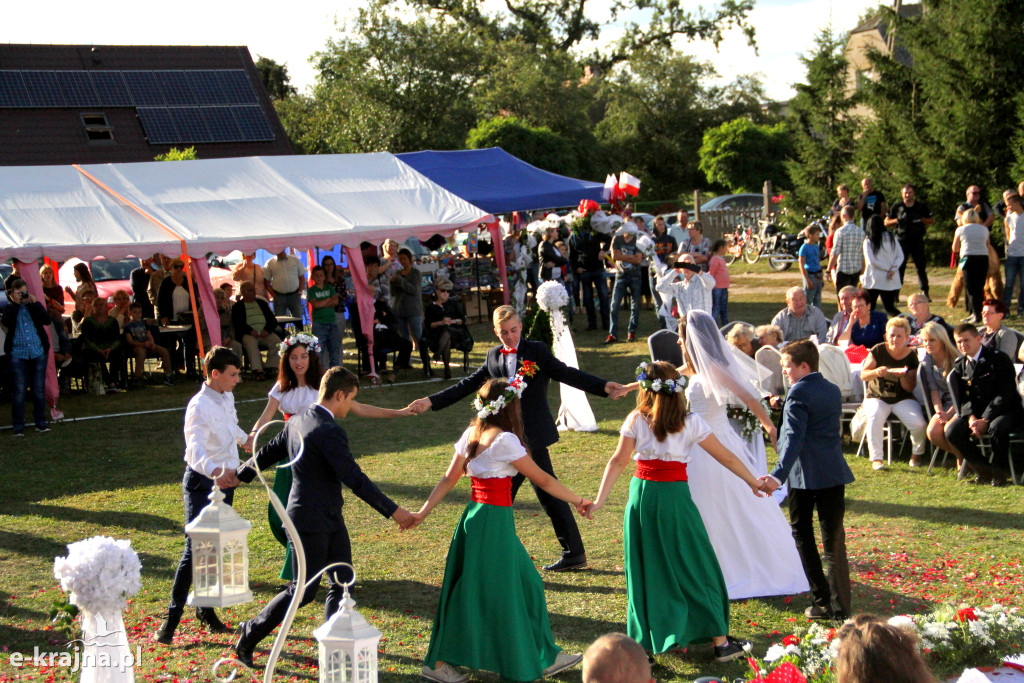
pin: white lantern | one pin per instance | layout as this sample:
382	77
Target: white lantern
348	645
220	555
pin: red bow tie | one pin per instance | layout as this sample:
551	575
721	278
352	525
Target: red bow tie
507	352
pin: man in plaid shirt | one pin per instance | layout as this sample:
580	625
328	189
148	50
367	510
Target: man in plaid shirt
847	257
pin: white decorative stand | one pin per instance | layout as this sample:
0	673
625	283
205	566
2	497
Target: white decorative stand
574	413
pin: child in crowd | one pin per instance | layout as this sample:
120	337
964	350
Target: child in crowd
616	658
323	299
492	614
871	649
810	265
140	343
719	270
674	586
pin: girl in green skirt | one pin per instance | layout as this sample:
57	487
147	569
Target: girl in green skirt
674	586
492	615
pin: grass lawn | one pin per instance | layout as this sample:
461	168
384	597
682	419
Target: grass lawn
914	540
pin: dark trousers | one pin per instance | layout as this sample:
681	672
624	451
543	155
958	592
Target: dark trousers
958	431
844	279
320	550
913	248
28	374
558	511
831	594
888	299
975	272
591	282
196	489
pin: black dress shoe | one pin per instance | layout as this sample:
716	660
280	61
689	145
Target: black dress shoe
165	634
243	650
815	612
567	564
208	618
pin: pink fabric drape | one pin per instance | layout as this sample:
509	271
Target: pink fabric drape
499	258
204	288
364	299
30	274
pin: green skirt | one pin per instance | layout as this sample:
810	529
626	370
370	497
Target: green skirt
676	591
491	615
282	486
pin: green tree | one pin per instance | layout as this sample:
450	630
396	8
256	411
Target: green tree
657	108
822	130
535	145
275	78
740	155
175	154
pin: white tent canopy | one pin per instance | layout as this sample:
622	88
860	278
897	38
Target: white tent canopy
221	204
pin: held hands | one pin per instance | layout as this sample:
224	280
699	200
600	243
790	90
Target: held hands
226	479
581	506
768	485
406	519
590	509
615	390
420	405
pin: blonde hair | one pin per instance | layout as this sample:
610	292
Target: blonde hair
616	658
739	332
901	323
502	314
762	330
971	215
933	330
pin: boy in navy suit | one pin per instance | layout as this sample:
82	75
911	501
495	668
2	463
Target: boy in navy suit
811	459
502	362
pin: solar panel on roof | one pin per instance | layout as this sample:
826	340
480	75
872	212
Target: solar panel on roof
143	88
175	88
77	88
111	89
157	124
12	90
190	124
43	89
206	88
253	124
236	84
221	124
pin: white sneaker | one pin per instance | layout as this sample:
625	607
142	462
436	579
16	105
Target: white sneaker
562	662
446	674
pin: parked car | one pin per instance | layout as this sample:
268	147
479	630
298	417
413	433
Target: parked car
747	200
109	277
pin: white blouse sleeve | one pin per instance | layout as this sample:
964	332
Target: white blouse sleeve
697	429
629	425
275	392
507	447
462	445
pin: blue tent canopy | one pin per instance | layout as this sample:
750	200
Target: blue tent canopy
497	182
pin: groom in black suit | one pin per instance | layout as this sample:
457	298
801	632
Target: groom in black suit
314	502
503	361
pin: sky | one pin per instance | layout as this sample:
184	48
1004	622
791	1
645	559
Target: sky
292	32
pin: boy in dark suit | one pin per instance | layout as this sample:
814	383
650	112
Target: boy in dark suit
314	503
811	459
503	361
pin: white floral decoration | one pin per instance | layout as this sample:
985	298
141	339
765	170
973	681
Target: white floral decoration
304	338
551	296
100	573
516	387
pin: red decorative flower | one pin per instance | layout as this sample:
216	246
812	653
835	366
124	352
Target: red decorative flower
830	635
791	640
966	614
588	207
529	368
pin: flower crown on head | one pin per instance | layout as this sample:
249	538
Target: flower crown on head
304	338
659	386
516	387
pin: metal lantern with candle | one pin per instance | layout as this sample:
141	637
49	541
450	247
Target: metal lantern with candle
347	644
220	555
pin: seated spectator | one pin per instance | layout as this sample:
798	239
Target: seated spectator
79	314
256	327
140	344
444	328
985	394
993	334
769	335
920	314
616	658
227	331
799	320
890	372
866	327
119	311
842	318
742	337
101	343
872	650
940	354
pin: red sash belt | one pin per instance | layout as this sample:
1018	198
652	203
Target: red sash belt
660	470
287	416
493	491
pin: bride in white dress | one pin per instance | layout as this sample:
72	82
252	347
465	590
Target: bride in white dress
751	536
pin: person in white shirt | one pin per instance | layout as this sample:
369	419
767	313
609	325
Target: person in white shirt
689	288
285	278
212	438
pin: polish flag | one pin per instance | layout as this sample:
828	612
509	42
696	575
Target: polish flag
629	184
610	186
